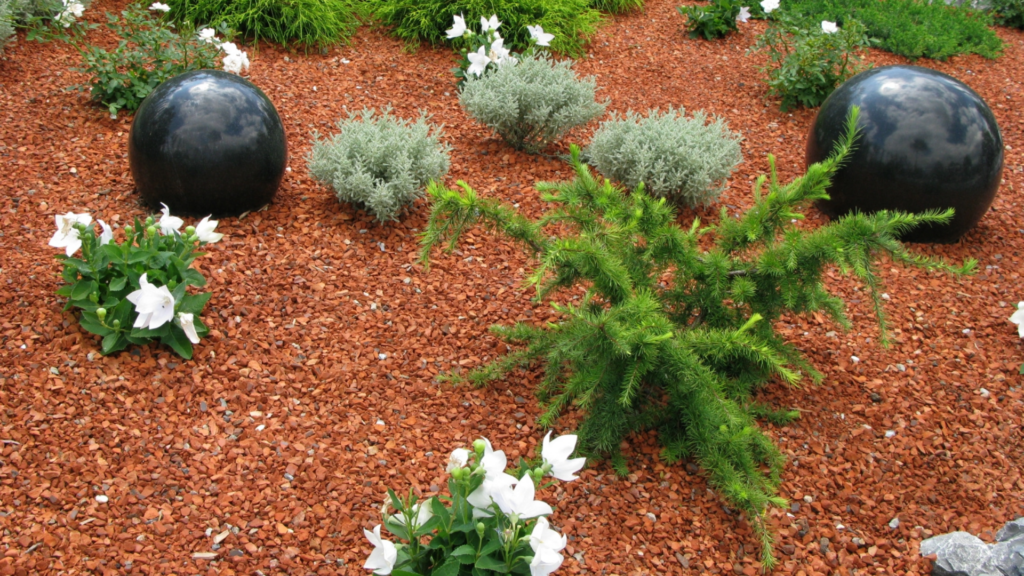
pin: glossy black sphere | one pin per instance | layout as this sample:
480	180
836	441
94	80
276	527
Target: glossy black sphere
926	141
207	142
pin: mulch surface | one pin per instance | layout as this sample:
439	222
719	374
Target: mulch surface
317	389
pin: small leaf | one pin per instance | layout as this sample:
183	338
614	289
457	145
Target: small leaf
440	511
193	278
449	568
82	289
113	342
91	323
176	339
194	303
490	563
179	293
117	284
491	545
428	527
466	554
113	251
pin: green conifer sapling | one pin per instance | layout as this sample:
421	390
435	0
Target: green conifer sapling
674	334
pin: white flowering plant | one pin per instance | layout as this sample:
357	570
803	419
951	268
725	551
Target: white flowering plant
135	291
486	50
720	17
151	50
490	523
807	63
1018	318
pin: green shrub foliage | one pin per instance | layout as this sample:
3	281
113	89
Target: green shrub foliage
911	28
381	163
805	64
716	20
675	332
572	22
617	6
304	22
1008	12
684	159
150	50
533	103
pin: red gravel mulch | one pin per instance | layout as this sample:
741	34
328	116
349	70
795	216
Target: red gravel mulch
284	432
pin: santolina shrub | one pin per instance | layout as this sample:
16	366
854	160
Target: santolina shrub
6	22
533	103
685	159
572	22
381	163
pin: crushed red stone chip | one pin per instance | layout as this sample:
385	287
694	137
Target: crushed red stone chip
316	389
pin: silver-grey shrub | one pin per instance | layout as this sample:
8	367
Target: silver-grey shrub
533	103
7	14
685	159
381	163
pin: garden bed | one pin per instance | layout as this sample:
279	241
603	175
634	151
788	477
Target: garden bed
317	387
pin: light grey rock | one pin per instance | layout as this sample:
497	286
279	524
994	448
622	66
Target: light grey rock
963	554
1008	557
1011	530
959	554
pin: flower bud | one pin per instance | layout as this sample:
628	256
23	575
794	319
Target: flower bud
171	284
149	221
94	298
479	445
101	313
190	230
117	323
457	473
151	231
538	473
480	529
128	230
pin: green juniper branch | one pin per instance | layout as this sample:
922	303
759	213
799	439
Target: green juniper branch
672	337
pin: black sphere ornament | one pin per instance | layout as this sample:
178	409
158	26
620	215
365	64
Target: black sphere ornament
207	142
925	141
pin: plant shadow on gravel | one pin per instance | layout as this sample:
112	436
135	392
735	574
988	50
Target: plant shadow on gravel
670	337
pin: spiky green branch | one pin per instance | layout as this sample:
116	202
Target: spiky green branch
672	337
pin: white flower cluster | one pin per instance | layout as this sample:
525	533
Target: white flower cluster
513	496
769	5
235	61
1018	318
155	305
493	50
70	9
